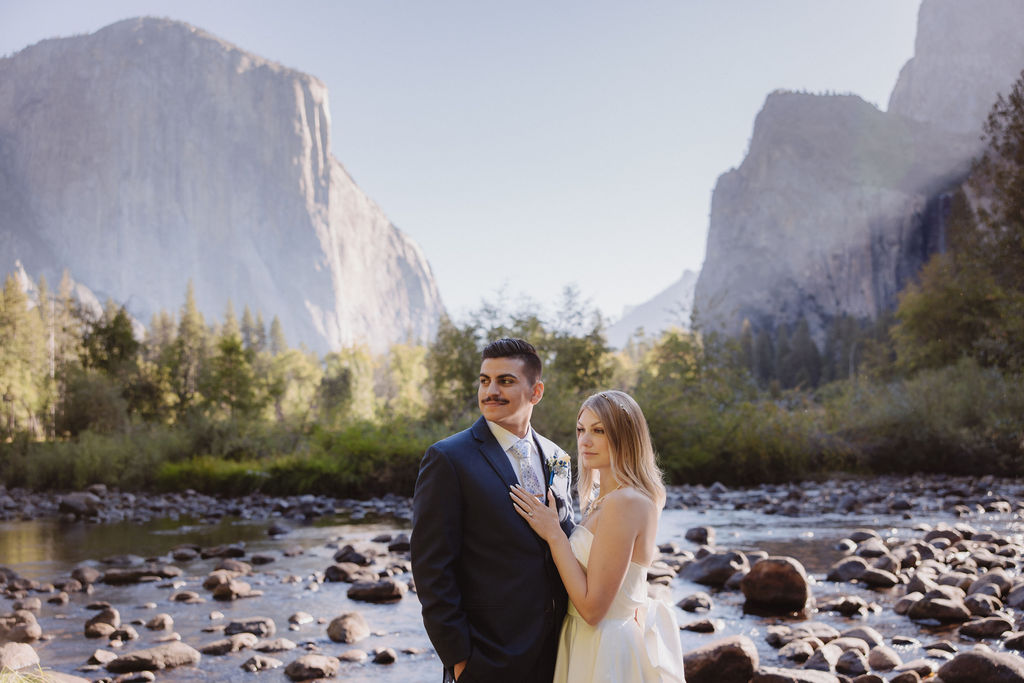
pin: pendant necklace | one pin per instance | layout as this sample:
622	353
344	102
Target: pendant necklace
596	503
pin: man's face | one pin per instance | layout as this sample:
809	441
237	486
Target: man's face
506	395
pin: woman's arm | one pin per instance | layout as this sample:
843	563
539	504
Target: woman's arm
622	518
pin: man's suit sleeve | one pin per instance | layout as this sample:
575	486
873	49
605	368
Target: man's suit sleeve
435	545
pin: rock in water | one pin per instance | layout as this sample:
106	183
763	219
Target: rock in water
151	153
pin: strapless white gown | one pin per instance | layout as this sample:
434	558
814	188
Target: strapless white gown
638	640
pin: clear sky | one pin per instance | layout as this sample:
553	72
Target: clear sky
535	144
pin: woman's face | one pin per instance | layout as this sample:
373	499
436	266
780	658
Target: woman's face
591	441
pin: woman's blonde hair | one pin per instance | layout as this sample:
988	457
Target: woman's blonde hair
630	449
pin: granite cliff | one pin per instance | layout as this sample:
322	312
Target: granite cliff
837	205
150	153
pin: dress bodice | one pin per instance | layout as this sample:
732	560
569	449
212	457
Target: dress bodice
633	592
637	640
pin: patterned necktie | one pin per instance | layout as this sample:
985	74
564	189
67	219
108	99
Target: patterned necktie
528	476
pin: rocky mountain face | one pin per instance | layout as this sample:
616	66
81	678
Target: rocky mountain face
837	205
151	153
671	306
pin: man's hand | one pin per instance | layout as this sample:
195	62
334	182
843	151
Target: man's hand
459	668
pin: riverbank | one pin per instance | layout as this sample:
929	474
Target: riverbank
298	564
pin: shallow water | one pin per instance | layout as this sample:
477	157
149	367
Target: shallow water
46	550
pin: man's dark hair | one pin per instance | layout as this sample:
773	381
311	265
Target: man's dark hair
516	348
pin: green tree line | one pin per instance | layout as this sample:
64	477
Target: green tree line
228	406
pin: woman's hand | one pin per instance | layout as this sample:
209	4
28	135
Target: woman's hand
543	519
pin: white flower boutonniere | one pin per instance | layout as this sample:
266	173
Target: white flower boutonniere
558	466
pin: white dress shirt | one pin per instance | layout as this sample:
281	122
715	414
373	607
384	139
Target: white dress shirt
507	439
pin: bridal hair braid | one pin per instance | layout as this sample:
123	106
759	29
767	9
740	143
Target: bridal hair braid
629	439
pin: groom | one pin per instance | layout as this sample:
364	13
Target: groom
492	600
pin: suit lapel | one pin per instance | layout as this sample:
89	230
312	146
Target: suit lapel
492	452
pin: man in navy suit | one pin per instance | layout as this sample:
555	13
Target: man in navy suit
492	600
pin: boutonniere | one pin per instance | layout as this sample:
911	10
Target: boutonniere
558	466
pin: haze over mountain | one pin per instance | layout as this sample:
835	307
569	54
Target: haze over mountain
151	153
837	205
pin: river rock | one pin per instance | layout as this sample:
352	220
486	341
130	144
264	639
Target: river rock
312	666
264	627
701	535
237	566
234	590
80	504
778	583
939	609
165	656
276	645
824	658
847	569
385	590
86	575
852	663
161	622
349	572
769	674
982	665
698	602
356	656
867	634
218	577
261	663
728	660
234	643
878	578
385	655
847	605
982	605
799	650
148	572
714	569
300	618
883	658
349	553
188	597
15	656
103	624
350	627
989	627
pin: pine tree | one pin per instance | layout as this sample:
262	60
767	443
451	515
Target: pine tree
764	357
278	343
248	329
189	351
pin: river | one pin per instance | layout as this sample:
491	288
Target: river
47	550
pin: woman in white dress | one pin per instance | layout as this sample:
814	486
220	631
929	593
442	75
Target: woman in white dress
613	632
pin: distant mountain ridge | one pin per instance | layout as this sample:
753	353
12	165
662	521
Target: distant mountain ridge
837	205
671	306
151	152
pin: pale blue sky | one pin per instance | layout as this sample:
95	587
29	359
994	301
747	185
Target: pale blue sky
534	144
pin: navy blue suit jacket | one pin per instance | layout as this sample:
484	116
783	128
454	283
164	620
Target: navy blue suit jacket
489	589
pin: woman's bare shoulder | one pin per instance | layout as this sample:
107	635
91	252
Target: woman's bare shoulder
630	502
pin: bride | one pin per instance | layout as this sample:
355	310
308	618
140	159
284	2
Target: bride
613	631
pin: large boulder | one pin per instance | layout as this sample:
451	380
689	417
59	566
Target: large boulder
15	656
19	627
385	590
164	656
348	628
777	583
979	665
729	660
308	667
714	569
